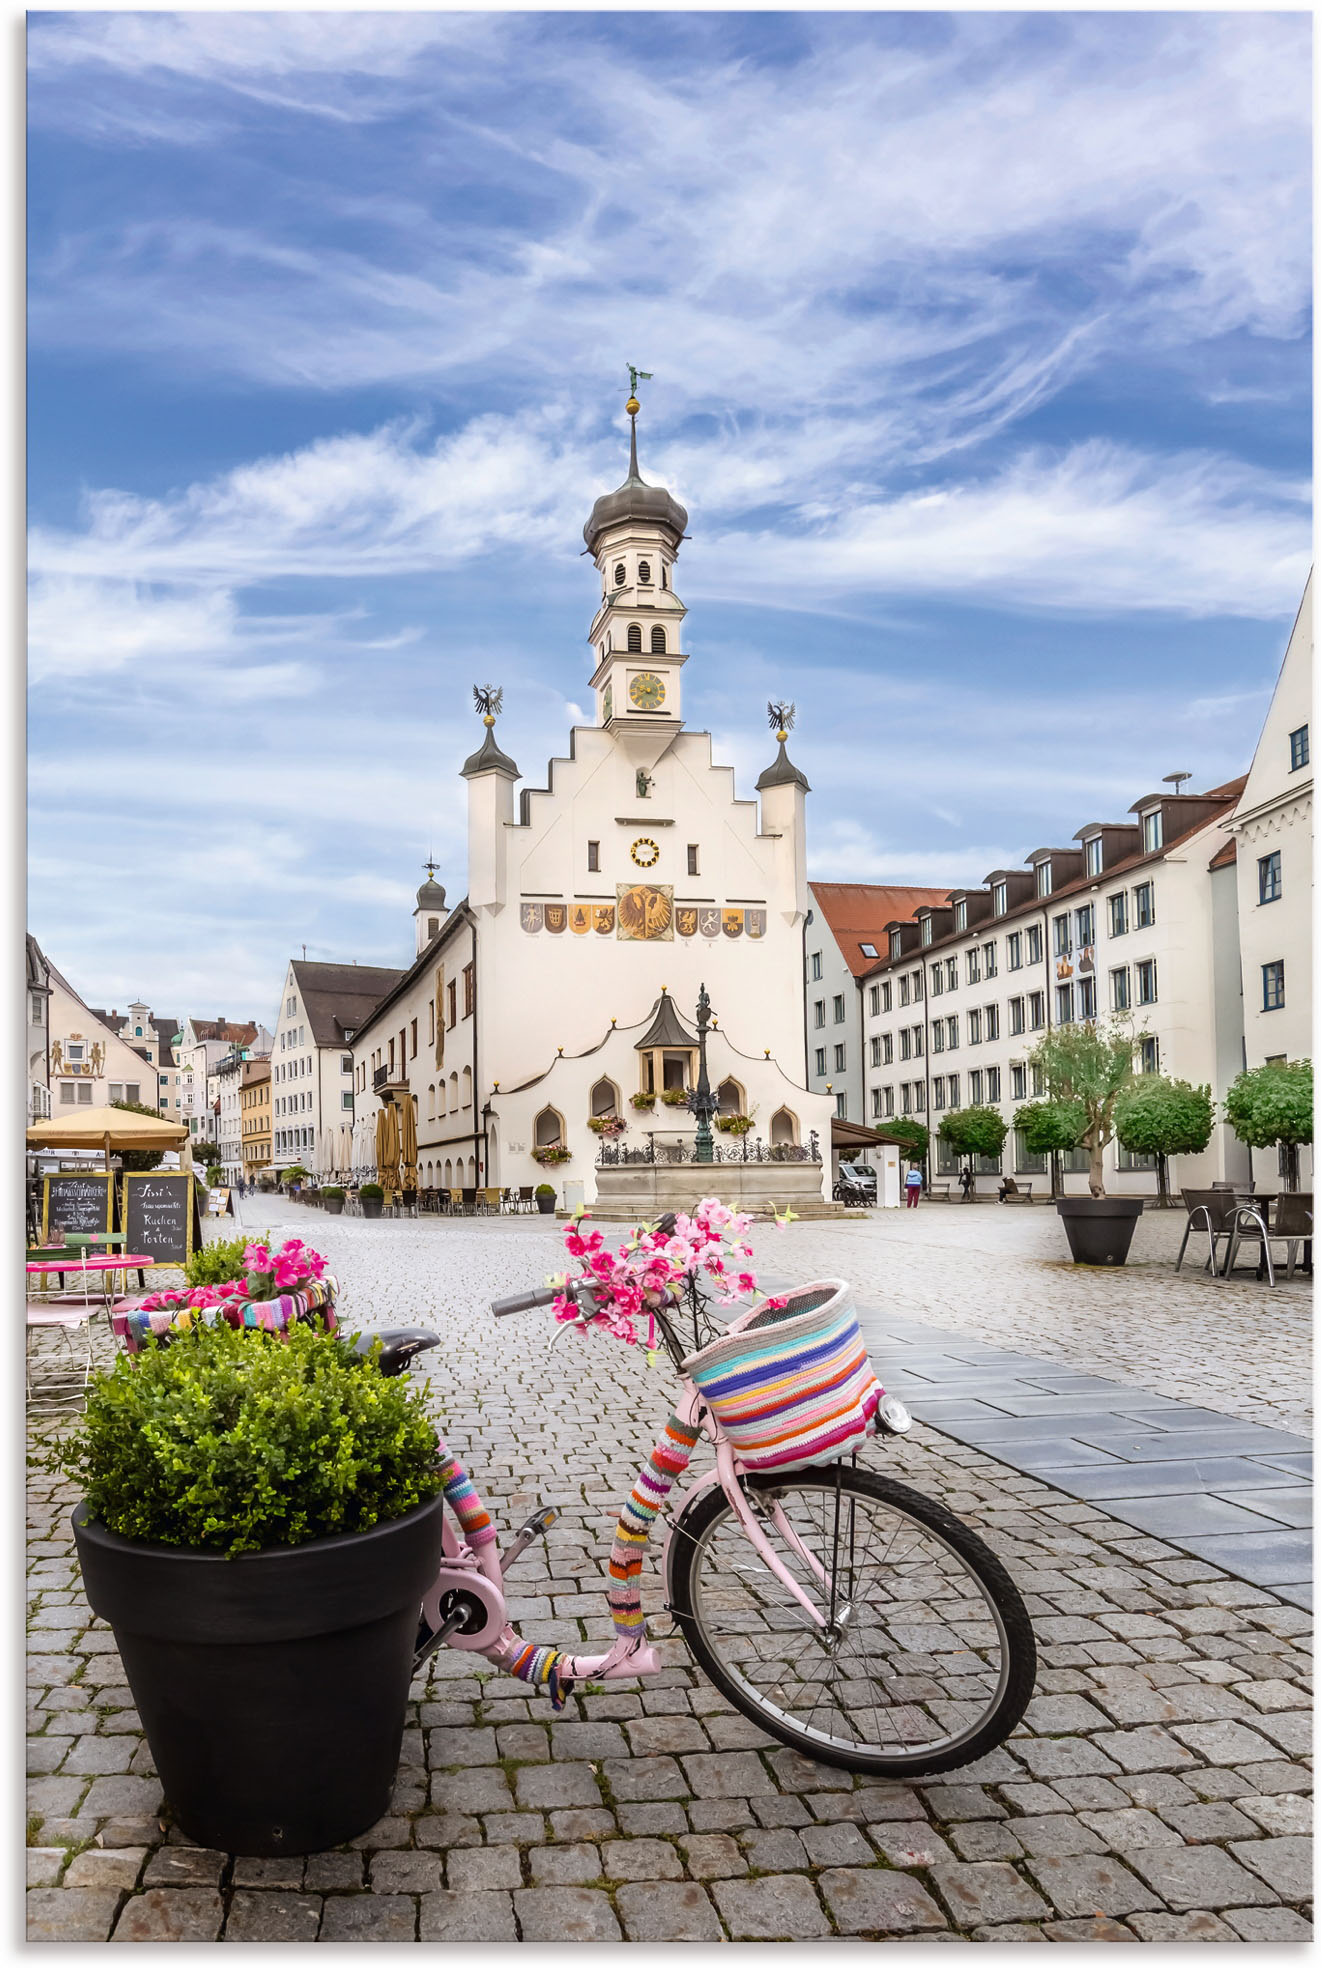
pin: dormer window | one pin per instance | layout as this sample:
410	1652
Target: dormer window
619	574
926	931
1152	831
658	641
961	915
1000	897
1044	878
645	573
895	943
635	643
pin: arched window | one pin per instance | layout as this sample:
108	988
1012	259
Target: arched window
605	1098
619	573
468	1086
454	1093
433	925
431	1102
784	1128
472	1173
548	1129
730	1095
645	573
658	641
635	642
449	1173
664	582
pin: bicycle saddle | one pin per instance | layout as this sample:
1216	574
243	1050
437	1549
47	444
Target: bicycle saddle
399	1345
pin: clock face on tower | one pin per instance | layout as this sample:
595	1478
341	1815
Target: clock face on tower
646	691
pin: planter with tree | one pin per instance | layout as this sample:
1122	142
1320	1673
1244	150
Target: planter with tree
971	1132
262	1592
1161	1117
371	1196
333	1201
545	1195
1086	1068
1272	1107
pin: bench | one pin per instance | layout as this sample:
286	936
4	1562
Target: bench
941	1189
1021	1193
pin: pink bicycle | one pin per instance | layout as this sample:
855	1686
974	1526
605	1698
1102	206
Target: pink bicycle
845	1614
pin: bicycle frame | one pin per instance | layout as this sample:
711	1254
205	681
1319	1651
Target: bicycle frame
474	1568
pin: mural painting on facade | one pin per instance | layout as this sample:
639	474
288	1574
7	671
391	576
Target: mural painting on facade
530	915
686	922
555	914
755	922
709	922
580	918
646	913
603	918
732	922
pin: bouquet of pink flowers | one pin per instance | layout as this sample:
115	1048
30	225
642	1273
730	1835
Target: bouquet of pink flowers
267	1274
648	1268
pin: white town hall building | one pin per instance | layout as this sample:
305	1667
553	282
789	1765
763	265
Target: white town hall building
562	989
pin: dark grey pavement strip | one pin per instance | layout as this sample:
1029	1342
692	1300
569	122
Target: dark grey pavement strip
1232	1492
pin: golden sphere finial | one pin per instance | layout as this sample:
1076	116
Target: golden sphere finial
633	406
488	720
781	736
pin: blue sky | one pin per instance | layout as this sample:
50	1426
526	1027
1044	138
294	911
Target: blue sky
982	365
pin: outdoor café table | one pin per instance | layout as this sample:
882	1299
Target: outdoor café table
87	1268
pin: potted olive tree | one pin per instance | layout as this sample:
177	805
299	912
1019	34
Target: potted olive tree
371	1196
262	1588
1161	1117
1086	1069
1272	1107
1053	1128
972	1131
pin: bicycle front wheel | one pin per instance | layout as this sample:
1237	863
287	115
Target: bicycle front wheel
927	1658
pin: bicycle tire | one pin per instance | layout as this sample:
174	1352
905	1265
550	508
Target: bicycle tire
704	1514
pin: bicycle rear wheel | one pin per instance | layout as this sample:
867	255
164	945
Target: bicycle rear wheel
929	1659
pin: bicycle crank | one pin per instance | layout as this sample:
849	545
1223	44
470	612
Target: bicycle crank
537	1526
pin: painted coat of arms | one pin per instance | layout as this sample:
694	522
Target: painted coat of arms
556	915
709	922
603	918
755	922
580	918
530	915
646	912
732	922
686	921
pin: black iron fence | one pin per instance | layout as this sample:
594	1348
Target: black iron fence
746	1148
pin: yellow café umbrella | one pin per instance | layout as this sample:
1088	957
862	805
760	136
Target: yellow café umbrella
408	1146
387	1147
108	1128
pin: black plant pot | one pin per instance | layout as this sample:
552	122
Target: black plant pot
272	1687
372	1205
333	1205
1100	1229
546	1204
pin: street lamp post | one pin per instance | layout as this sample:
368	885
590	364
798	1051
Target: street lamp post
702	1101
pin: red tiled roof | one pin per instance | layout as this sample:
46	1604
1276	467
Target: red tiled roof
1224	856
858	912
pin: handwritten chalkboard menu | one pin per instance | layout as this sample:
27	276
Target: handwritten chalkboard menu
159	1212
77	1200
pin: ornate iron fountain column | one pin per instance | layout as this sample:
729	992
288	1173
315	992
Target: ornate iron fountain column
702	1101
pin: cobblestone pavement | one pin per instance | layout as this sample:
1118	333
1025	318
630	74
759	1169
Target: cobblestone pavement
1000	1271
1157	1790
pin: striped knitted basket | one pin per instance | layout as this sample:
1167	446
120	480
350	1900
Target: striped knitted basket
791	1385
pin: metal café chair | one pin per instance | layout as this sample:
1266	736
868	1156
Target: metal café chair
1210	1211
525	1199
456	1201
1292	1226
468	1201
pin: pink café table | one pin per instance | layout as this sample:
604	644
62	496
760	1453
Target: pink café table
90	1266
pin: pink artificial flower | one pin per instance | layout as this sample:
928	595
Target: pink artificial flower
257	1258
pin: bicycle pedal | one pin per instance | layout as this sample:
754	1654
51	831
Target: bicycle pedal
536	1526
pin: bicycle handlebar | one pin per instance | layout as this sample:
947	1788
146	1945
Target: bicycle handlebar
523	1301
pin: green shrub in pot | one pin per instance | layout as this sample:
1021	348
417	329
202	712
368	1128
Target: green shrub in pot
371	1196
261	1517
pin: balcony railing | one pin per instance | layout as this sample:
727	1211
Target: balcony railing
747	1148
380	1078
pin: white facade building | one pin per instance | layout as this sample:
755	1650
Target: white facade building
844	938
38	1021
563	987
1138	919
91	1063
1273	835
321	1009
197	1052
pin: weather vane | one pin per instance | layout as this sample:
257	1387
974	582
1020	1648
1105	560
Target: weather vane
487	699
781	718
430	865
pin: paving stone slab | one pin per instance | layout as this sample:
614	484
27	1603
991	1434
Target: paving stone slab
368	1917
170	1913
1193	1876
1181	1927
272	1915
661	1911
1269	1924
1286	1864
777	1907
1097	1929
1091	1886
987	1894
60	1913
878	1901
466	1917
565	1913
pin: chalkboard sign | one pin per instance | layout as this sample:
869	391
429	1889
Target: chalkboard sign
77	1200
159	1213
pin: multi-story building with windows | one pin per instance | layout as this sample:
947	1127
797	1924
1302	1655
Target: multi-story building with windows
844	937
1272	835
321	1010
38	1014
198	1051
255	1117
1136	918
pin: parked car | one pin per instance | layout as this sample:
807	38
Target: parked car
856	1183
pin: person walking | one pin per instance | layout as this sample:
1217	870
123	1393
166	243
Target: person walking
913	1188
966	1183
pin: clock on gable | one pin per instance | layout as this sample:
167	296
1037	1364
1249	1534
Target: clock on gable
646	691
